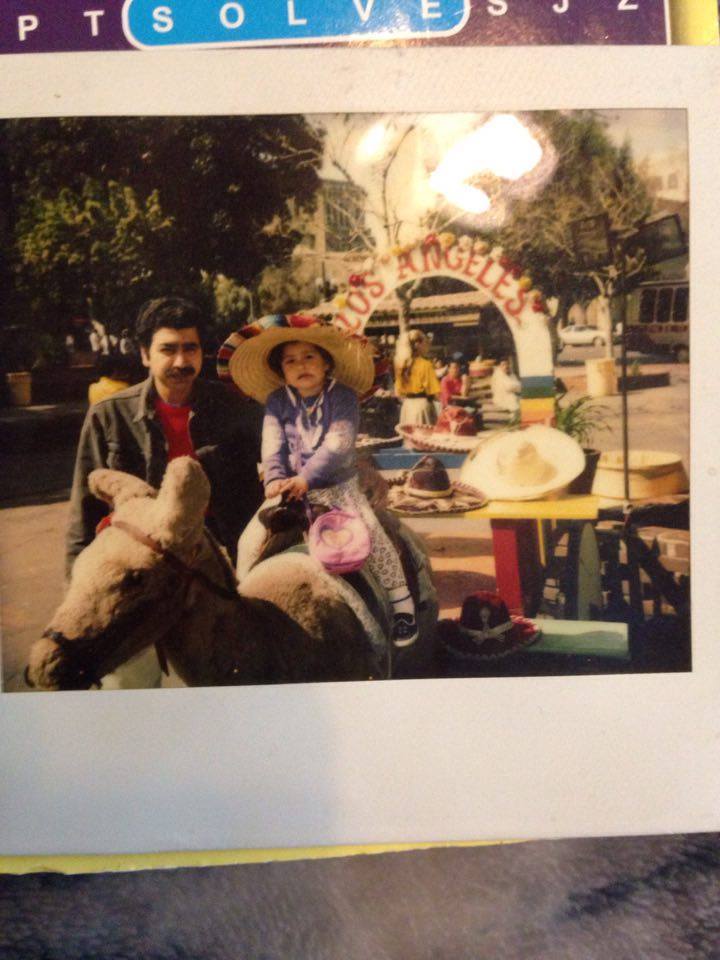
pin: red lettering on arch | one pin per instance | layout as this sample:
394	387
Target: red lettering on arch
453	266
405	263
502	282
375	287
433	251
481	278
515	307
473	261
364	305
353	325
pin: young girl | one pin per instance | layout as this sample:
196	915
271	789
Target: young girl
415	381
309	378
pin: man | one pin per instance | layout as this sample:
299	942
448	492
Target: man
172	413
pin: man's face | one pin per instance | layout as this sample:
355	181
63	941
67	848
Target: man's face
174	358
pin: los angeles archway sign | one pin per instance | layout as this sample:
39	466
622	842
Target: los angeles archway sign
489	270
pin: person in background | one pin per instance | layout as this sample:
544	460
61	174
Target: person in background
452	384
126	345
114	374
415	380
441	367
505	387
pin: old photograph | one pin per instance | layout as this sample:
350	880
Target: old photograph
322	397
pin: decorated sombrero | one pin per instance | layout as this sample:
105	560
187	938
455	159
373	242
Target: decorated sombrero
525	464
244	356
426	489
485	630
423	438
454	432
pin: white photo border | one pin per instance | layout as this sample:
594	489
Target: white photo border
404	761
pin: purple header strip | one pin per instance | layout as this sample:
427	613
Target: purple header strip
49	26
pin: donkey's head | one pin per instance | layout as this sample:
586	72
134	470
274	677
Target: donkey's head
128	586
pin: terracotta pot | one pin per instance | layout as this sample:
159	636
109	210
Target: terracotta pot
19	388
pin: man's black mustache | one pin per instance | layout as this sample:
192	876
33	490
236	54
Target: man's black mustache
181	371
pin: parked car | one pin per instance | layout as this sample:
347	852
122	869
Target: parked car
581	336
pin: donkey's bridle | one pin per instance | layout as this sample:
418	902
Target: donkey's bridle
81	658
190	572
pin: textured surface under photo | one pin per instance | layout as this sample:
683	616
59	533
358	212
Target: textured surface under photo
627	898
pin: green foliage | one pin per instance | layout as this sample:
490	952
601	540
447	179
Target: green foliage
287	288
91	249
581	418
592	176
112	210
232	303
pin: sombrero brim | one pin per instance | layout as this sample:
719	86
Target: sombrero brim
404	504
463	644
427	440
480	470
366	442
249	368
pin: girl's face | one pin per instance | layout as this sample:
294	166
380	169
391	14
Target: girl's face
304	368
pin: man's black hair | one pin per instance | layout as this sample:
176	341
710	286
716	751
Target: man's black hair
275	356
173	312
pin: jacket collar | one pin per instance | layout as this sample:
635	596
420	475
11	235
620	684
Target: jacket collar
148	395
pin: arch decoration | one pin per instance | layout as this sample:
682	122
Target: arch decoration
478	265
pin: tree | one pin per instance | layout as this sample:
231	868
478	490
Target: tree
90	252
288	288
216	182
592	176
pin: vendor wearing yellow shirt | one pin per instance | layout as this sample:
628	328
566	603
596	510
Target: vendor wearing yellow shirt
416	383
114	374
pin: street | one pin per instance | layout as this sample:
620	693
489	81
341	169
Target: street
36	483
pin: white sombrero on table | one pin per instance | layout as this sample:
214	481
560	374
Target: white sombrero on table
524	464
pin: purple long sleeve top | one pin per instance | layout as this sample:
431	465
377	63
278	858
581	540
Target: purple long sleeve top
315	442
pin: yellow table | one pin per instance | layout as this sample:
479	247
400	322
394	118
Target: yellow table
519	542
568	507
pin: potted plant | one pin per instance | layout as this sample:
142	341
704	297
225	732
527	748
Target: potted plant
580	419
17	356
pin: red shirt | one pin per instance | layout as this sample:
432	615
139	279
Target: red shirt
174	421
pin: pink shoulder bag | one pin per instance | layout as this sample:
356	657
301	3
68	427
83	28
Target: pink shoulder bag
339	540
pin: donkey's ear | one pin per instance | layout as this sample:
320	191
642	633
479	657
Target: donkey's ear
183	500
115	487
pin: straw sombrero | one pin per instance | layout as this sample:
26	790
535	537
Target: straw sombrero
249	368
523	464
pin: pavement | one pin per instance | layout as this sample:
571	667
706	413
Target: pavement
37	450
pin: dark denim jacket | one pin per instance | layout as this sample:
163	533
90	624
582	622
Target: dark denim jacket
123	432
